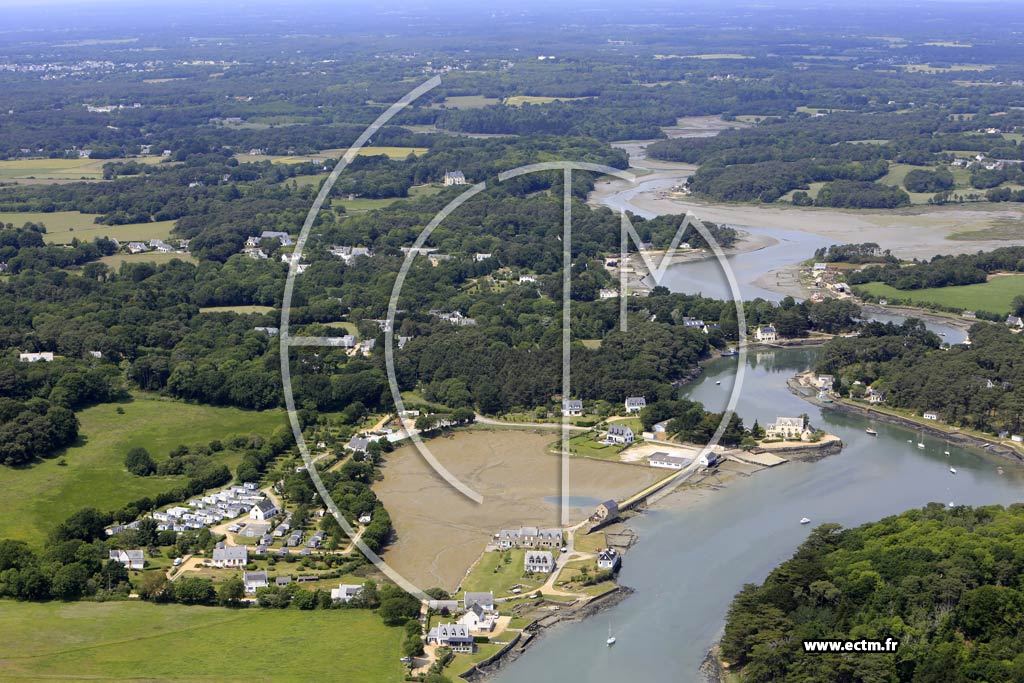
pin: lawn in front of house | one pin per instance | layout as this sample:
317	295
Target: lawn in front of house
499	572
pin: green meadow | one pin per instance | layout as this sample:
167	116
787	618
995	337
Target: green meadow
118	641
42	495
996	295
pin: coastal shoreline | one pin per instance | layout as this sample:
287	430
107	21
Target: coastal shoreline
957	437
536	630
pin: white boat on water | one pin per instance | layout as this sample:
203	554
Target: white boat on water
805	520
952	470
611	638
718	382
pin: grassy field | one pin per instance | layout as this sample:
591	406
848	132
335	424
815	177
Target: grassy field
519	100
120	641
996	295
237	309
131	232
61	169
499	572
115	260
44	494
928	69
370	150
63	226
55	221
362	205
468	102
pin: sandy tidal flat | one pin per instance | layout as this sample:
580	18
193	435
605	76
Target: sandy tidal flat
440	533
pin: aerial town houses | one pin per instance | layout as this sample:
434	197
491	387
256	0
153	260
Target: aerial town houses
529	537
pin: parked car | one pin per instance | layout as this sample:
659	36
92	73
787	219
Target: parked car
177	561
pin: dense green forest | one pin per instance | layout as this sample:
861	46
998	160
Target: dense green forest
945	583
980	386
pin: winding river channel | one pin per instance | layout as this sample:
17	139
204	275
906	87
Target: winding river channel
694	555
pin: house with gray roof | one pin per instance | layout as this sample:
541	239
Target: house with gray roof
346	592
254	581
485	600
668	462
609	558
231	556
358	444
572	407
263	510
539	562
131	559
634	404
454	636
619	433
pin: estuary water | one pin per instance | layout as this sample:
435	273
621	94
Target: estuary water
691	559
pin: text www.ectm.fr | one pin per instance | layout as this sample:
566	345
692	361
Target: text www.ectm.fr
887	645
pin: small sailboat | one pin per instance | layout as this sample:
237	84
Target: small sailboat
945	452
871	432
805	520
920	440
611	638
952	470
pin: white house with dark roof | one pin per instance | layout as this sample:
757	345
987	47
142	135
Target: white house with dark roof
539	562
766	333
634	404
454	636
131	559
230	556
346	592
478	619
608	558
253	581
263	510
572	407
1015	321
619	433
